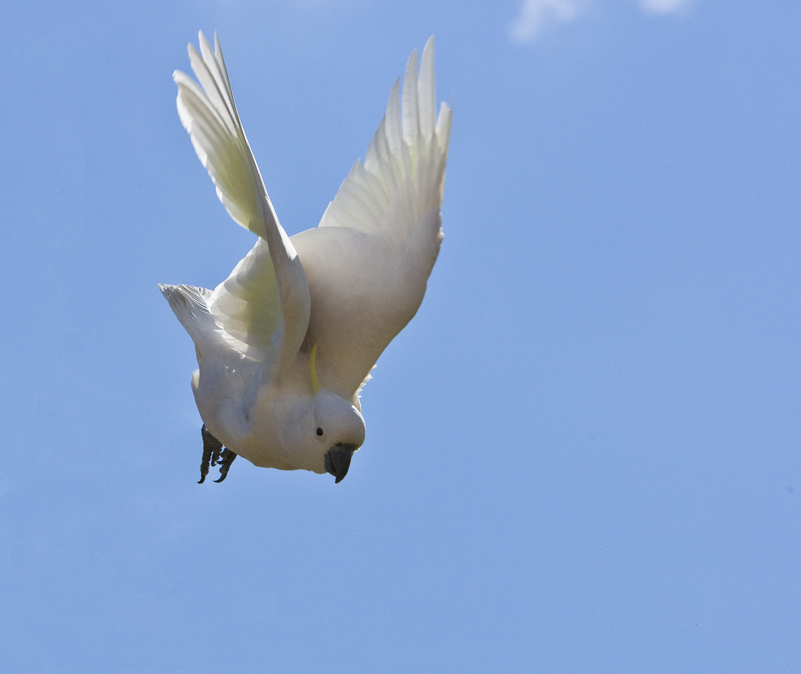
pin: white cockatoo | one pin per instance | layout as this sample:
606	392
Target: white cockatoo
286	342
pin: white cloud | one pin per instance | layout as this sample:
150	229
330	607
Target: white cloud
536	14
665	6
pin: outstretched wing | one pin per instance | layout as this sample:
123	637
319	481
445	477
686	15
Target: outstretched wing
265	302
369	260
404	169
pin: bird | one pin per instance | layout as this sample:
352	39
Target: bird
285	344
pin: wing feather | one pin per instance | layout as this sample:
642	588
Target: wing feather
264	304
410	112
374	186
403	173
393	120
426	92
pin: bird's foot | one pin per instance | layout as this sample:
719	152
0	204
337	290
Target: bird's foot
227	458
214	453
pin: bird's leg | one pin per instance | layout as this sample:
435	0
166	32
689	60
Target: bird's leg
225	463
214	453
211	447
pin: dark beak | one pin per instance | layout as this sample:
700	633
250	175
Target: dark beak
337	461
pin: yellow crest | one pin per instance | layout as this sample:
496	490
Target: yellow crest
313	370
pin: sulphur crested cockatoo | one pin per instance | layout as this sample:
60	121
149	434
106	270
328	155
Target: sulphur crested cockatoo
286	342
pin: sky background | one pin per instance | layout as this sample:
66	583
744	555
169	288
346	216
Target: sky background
582	455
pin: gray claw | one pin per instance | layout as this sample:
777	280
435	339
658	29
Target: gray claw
225	463
211	451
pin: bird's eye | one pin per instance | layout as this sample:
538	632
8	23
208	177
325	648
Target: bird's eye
319	432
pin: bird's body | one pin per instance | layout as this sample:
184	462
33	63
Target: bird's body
286	342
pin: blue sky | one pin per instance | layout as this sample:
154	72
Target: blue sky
582	455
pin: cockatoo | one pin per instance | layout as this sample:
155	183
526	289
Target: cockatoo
286	342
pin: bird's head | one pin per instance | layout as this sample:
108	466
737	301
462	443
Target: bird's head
331	429
335	429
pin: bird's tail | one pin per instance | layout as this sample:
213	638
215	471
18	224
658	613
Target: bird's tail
190	305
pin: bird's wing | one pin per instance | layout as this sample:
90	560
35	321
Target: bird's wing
403	174
265	302
369	260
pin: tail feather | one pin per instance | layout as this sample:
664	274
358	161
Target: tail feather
189	304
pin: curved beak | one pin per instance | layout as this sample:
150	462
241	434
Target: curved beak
337	461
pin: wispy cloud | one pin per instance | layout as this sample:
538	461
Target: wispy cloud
535	15
665	6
